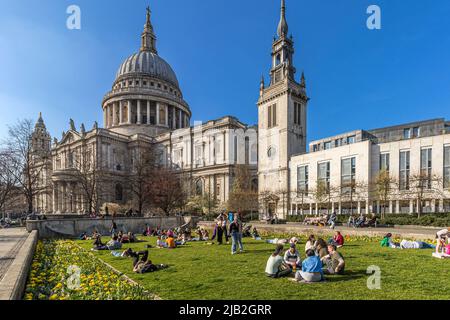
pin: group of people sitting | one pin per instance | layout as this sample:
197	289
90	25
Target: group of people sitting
116	241
321	258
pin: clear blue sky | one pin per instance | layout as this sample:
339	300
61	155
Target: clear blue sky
356	78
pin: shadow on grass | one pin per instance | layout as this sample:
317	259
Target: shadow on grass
347	276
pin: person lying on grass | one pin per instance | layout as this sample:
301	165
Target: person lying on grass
311	268
142	264
388	243
292	257
293	240
276	267
333	262
405	244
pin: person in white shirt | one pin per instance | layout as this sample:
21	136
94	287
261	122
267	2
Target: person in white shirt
276	267
310	244
405	244
292	257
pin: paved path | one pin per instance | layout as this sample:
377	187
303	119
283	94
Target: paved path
11	240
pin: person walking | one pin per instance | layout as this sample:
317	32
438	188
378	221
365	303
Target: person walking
236	236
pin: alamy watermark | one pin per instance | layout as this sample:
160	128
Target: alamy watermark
73	22
374	280
374	20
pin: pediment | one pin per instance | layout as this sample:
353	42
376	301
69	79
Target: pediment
70	137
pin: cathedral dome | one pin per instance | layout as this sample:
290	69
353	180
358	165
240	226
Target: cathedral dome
150	64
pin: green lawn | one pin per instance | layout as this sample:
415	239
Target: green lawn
200	271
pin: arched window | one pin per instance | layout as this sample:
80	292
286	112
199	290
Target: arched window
199	187
119	192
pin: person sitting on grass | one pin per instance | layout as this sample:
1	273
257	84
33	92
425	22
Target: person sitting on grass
255	234
292	257
310	243
97	242
338	240
311	268
114	244
147	231
160	243
142	264
334	261
170	241
276	267
83	236
388	243
321	248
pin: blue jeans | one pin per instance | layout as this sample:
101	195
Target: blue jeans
236	238
427	245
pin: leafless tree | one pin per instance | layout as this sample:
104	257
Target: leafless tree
8	180
384	187
165	190
243	195
87	173
423	185
25	165
354	191
143	167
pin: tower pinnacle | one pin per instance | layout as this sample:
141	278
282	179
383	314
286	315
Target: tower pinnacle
148	36
283	28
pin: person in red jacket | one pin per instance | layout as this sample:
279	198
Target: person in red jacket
338	239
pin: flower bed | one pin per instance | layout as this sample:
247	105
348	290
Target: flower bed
63	271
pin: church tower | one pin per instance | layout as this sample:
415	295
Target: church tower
41	140
282	110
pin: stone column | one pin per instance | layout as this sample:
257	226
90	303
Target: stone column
180	121
64	199
157	113
114	114
340	208
139	114
167	115
359	207
317	209
174	118
148	111
129	111
397	206
105	118
441	205
55	199
391	206
411	206
120	112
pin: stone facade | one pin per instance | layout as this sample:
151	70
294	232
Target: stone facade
144	109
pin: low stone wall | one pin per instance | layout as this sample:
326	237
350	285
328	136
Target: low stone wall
13	283
71	228
406	232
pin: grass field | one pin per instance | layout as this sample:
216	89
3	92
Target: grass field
200	271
